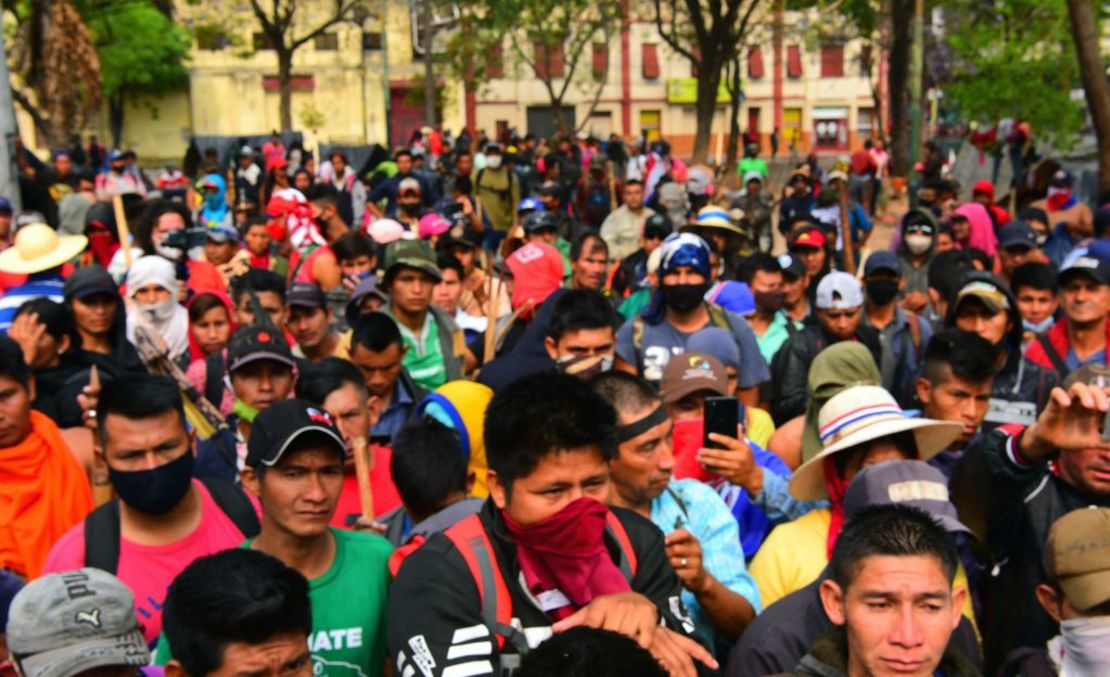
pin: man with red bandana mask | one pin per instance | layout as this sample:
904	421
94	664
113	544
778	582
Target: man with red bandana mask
552	555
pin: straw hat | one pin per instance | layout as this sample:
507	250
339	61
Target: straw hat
861	414
714	217
38	247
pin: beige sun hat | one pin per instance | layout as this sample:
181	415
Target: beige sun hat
38	247
861	414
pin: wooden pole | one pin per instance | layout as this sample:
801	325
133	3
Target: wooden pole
101	486
122	229
362	475
846	231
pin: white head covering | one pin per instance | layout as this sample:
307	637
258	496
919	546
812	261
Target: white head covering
168	318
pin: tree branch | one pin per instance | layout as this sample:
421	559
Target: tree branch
40	121
341	11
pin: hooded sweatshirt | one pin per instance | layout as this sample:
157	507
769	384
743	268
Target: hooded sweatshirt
215	211
982	228
167	318
916	277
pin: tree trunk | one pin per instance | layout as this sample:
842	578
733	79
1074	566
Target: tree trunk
709	79
115	119
733	115
898	78
285	87
429	72
1085	29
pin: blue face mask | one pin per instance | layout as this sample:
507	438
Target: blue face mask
1039	327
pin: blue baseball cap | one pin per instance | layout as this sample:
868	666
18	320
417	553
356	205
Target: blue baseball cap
5	206
222	233
530	204
882	260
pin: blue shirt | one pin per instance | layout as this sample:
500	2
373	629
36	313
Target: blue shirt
752	519
1073	361
48	284
396	414
707	518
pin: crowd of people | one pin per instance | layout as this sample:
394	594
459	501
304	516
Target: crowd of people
532	407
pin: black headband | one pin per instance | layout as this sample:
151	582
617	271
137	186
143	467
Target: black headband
637	428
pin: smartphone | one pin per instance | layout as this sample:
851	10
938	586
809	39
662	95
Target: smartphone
721	416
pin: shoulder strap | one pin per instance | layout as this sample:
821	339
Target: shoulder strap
678	500
102	537
1053	356
214	378
718	317
478	180
470	539
638	333
235	504
627	563
915	333
301	261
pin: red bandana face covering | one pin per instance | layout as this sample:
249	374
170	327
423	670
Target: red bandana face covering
566	552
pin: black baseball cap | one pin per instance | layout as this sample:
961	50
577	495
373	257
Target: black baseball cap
281	426
253	343
1091	263
791	266
306	295
89	281
657	226
882	260
1017	234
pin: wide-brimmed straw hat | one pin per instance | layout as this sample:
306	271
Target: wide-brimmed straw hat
858	415
38	247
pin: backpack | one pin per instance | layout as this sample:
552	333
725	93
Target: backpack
102	532
506	195
214	371
470	538
597	205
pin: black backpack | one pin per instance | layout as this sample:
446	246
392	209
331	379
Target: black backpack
102	533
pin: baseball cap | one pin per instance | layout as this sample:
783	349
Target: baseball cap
690	373
306	295
246	150
752	176
68	622
5	205
836	284
1061	179
1077	555
222	233
87	281
416	254
115	156
716	342
990	295
657	226
279	426
539	220
1090	264
791	266
882	260
1017	234
529	204
408	185
912	483
808	237
253	343
548	188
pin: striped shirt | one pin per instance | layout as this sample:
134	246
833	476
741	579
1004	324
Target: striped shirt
48	284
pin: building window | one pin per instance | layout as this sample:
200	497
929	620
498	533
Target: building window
832	60
650	61
651	124
865	58
549	60
865	122
755	63
495	64
261	41
326	42
793	62
600	61
371	41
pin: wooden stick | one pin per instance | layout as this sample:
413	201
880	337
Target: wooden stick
846	231
492	301
101	486
122	229
362	475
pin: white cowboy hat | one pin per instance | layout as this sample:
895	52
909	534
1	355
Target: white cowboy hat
38	247
713	217
861	414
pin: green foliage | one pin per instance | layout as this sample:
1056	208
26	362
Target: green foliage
141	50
1014	58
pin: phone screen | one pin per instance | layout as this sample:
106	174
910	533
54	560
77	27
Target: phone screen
721	416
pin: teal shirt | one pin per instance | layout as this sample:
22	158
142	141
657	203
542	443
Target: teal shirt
776	335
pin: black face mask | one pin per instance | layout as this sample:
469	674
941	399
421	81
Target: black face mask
882	292
410	209
683	298
155	491
770	301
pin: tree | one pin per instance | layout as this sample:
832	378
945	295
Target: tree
709	34
277	21
141	52
551	39
1085	29
54	56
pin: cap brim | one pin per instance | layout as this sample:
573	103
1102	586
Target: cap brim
417	264
326	432
127	649
931	437
991	305
1086	591
87	291
69	246
685	388
264	355
1062	277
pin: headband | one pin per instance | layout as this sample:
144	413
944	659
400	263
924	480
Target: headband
637	428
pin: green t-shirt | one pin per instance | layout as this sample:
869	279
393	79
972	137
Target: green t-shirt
752	164
350	603
424	358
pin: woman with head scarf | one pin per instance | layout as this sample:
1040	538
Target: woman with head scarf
215	211
211	326
152	289
972	227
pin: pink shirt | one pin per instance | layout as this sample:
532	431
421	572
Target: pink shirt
148	570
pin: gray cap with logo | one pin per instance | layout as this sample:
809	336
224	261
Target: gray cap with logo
66	623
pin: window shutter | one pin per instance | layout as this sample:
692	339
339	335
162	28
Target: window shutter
650	59
495	66
793	62
539	55
557	62
755	63
600	60
832	61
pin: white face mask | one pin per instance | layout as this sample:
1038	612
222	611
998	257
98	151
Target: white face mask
493	161
1086	646
1038	327
171	253
1041	239
918	244
159	313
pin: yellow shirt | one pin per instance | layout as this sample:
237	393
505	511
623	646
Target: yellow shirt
758	426
793	556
